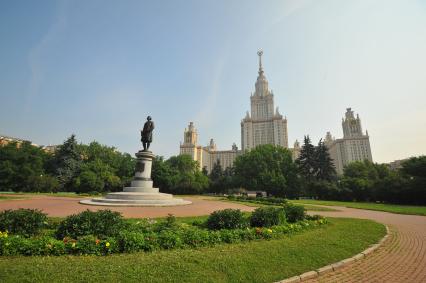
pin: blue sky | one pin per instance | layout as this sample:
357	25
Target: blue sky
98	68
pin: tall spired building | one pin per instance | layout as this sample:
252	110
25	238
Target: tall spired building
262	125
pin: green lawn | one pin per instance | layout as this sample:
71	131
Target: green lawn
394	208
248	203
10	197
60	194
257	261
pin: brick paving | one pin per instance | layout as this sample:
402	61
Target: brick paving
64	206
401	258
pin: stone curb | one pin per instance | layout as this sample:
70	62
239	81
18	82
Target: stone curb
337	265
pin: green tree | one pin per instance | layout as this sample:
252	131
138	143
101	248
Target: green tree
414	171
21	165
307	160
67	162
268	168
324	166
179	175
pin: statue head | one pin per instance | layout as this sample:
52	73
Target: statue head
148	118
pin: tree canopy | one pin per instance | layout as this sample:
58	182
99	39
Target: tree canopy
267	168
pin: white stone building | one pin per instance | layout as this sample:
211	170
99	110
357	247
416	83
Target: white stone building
209	155
354	146
262	125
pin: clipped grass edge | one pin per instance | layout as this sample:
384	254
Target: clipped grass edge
337	265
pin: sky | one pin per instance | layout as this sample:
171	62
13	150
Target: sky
97	68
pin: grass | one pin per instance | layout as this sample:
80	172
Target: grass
393	208
59	194
7	197
257	261
308	207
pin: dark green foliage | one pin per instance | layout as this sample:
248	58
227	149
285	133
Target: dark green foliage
25	222
149	238
168	224
129	241
179	175
67	162
221	181
267	217
23	168
193	237
307	162
294	212
260	200
226	219
268	168
102	223
414	172
103	169
169	239
324	167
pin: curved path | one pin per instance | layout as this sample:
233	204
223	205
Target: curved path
401	258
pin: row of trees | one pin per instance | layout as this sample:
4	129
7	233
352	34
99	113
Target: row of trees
98	168
271	169
73	167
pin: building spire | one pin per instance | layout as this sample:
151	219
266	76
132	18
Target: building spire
261	83
260	53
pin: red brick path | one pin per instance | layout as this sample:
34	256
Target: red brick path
64	206
401	258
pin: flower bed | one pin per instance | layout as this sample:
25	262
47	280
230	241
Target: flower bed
145	235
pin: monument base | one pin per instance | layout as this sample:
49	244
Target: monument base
140	192
136	199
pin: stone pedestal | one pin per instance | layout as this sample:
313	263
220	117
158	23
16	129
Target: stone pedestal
141	191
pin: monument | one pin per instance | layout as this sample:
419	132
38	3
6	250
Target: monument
141	191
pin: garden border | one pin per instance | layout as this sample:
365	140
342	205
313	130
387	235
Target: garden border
337	265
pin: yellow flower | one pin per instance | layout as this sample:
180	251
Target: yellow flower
269	231
73	245
107	244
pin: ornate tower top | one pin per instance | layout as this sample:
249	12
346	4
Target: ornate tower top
260	53
261	83
351	125
190	135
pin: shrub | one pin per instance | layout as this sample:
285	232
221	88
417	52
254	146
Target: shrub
102	223
131	241
89	245
226	219
267	217
25	222
230	236
151	242
314	217
294	212
169	239
194	237
168	224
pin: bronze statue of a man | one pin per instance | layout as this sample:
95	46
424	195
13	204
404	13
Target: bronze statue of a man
146	133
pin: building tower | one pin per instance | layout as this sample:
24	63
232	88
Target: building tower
354	146
189	145
262	125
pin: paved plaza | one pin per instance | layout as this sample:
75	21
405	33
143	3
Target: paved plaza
64	206
402	258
